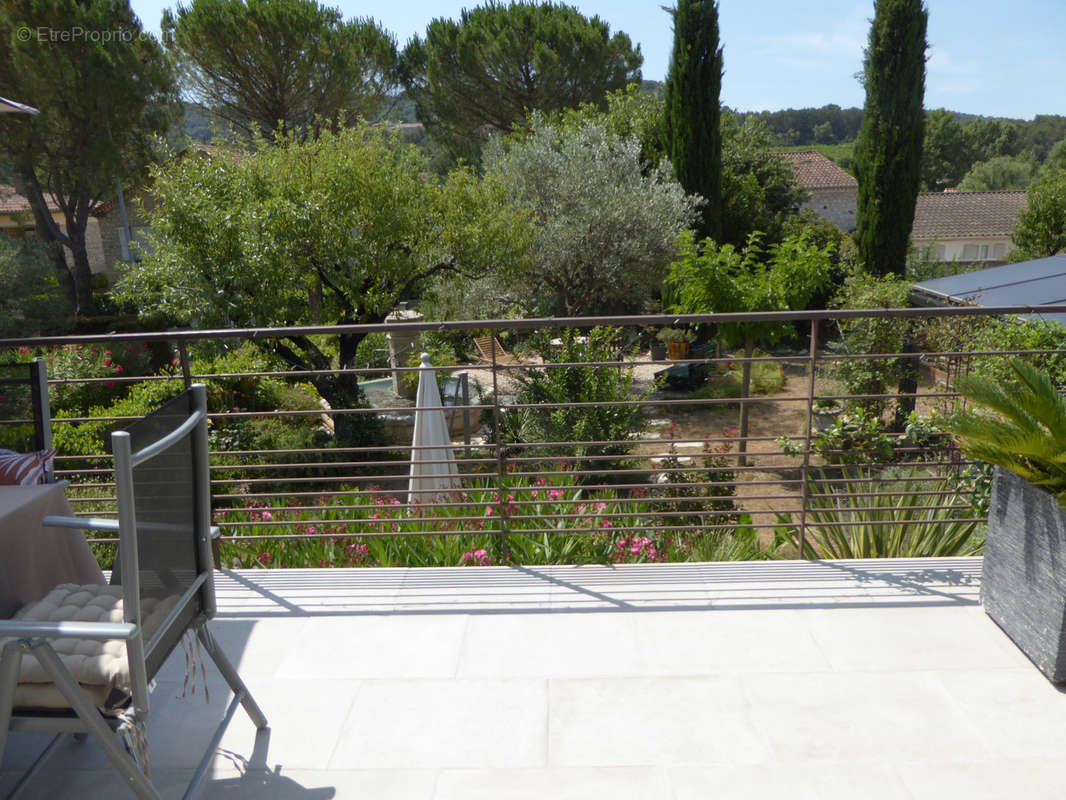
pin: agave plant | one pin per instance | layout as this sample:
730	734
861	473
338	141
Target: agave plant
1028	435
909	513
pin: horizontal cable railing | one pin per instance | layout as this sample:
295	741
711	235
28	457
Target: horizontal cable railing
545	447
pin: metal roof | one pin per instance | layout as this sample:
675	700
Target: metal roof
1030	283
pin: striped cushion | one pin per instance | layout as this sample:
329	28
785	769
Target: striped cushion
23	469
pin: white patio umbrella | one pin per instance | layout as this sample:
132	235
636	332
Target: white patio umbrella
433	470
11	107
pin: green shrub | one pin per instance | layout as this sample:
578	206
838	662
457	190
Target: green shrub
602	386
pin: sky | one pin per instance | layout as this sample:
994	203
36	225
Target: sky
1002	58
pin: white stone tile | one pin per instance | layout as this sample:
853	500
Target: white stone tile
1031	779
550	645
908	639
728	641
1019	714
593	783
651	721
445	723
792	780
305	719
376	646
865	718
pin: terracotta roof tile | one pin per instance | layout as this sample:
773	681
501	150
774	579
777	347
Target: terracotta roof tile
966	215
815	171
11	202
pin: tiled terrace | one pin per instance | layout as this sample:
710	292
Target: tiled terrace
852	680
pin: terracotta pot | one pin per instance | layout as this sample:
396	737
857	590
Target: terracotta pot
677	350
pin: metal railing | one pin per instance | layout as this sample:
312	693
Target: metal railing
679	470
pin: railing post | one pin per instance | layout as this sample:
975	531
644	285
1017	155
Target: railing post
501	465
805	471
464	386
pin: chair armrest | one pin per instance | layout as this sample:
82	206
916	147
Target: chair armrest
83	523
67	630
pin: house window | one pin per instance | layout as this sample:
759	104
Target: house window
999	251
969	252
984	252
939	252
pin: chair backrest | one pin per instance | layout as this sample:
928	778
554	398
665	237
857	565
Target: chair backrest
24	391
164	502
491	350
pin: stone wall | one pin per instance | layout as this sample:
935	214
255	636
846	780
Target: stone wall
836	205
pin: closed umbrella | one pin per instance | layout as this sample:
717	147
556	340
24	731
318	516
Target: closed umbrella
11	107
433	470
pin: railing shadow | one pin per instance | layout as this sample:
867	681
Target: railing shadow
896	583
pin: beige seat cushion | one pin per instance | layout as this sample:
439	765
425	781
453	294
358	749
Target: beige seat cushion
99	666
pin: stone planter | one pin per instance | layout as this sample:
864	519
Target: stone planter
1023	580
825	418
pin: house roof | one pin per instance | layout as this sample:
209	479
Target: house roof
11	202
815	171
966	215
1030	283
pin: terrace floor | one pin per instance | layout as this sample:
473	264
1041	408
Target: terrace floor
846	679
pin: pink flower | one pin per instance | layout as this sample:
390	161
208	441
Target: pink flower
107	362
267	516
265	558
478	558
555	494
118	368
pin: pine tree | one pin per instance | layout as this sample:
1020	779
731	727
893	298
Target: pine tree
888	154
693	86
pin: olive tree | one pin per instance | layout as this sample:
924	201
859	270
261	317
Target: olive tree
605	227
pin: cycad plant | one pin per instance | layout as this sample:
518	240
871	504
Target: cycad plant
1028	433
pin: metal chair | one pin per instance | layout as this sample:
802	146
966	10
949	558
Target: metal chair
161	587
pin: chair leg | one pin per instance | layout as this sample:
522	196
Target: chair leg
10	660
109	743
232	678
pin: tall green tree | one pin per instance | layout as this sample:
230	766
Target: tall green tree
487	71
335	230
288	65
888	154
693	108
104	91
999	174
1040	230
947	152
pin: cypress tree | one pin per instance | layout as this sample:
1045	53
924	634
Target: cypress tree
888	153
693	111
